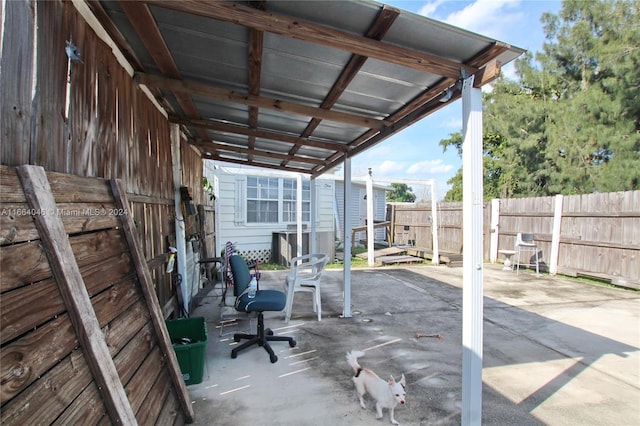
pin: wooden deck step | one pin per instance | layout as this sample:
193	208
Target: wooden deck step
448	258
388	260
389	251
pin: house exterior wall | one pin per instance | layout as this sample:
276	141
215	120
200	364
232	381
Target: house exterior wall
358	208
255	240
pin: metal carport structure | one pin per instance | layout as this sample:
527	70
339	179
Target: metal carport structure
304	86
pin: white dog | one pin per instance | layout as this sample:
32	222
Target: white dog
387	394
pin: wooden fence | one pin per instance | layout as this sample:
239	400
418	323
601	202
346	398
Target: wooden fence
594	235
83	338
90	118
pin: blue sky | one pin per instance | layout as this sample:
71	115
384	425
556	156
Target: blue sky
403	156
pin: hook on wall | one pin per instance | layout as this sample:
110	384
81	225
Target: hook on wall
73	53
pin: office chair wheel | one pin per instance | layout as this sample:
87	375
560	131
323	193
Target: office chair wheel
292	343
273	359
269	332
234	355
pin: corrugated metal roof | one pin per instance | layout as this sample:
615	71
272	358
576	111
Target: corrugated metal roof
295	85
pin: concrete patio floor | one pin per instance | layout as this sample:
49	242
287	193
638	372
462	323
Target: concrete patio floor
556	352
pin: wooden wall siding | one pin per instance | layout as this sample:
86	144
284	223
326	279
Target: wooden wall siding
154	221
599	233
192	173
112	130
207	218
16	81
42	359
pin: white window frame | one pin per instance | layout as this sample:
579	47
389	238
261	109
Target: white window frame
263	195
306	202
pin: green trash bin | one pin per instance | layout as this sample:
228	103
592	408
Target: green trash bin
189	337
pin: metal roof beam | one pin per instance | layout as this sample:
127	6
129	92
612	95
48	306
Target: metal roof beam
378	29
371	138
255	46
486	74
254	164
265	134
219	147
205	90
318	34
114	33
146	28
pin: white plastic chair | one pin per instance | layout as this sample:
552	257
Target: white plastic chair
525	243
304	275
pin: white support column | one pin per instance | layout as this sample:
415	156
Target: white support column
299	215
495	230
472	197
434	224
181	243
313	244
219	245
555	236
370	229
346	311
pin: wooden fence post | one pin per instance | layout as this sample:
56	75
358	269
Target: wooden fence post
392	226
555	236
74	293
155	312
434	225
495	230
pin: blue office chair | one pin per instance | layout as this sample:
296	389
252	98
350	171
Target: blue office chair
264	300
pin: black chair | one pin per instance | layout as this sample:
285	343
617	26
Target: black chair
264	300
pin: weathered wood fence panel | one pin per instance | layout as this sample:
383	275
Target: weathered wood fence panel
16	81
43	358
89	118
413	224
598	234
207	218
450	227
526	215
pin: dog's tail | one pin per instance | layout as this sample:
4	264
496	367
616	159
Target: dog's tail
352	359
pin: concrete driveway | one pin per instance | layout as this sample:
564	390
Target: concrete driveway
556	352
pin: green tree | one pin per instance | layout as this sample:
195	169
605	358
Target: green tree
400	192
455	193
571	123
594	53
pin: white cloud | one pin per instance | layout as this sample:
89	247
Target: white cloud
430	166
492	18
509	71
488	17
389	167
430	7
453	123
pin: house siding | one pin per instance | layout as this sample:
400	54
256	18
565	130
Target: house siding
255	240
358	208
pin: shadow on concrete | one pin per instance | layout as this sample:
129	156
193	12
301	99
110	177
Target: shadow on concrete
551	353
